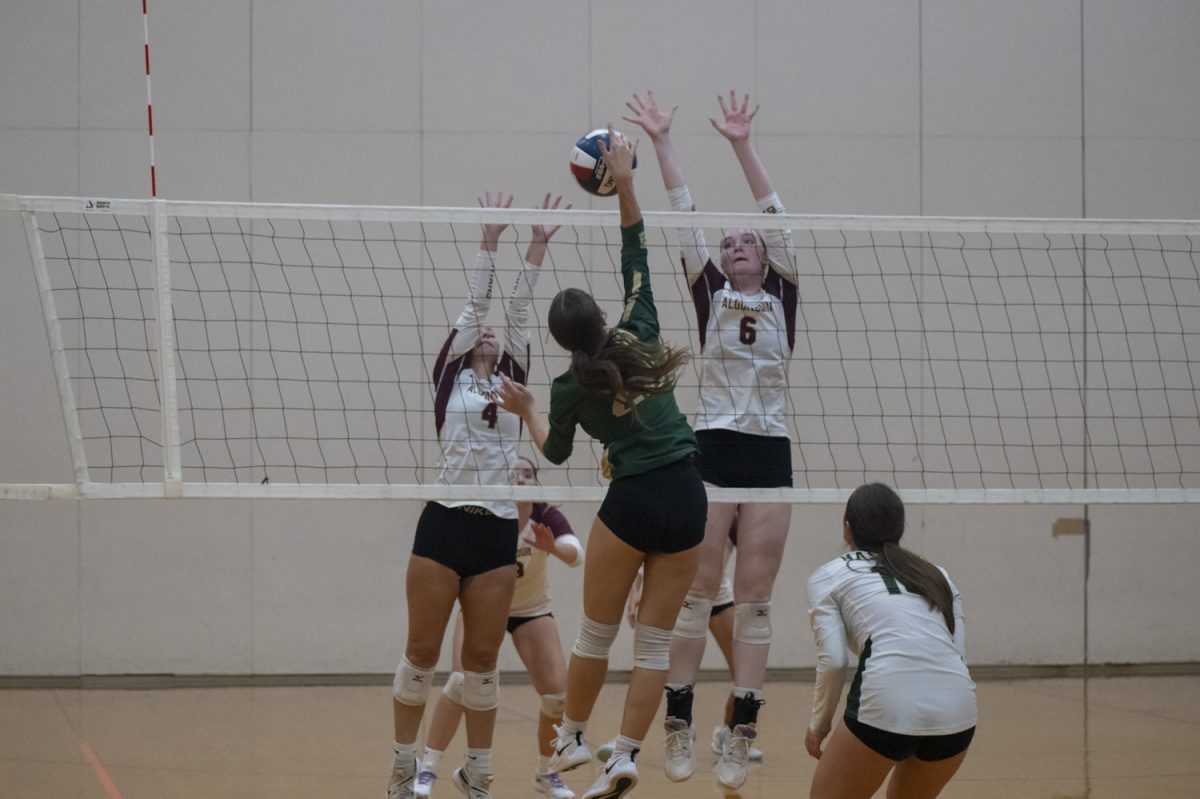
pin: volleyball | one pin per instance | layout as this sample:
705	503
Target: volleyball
587	164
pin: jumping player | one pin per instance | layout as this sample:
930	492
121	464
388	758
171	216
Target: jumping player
746	312
620	390
465	551
534	634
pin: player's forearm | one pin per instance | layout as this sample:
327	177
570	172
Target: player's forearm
631	211
668	162
752	168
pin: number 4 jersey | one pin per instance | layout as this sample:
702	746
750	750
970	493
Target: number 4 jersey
478	438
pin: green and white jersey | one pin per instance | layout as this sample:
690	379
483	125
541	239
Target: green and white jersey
912	678
658	433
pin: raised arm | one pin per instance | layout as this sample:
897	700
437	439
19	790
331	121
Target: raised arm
618	154
480	283
517	322
657	125
735	126
646	114
540	235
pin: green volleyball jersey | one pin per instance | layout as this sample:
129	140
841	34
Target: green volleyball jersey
658	433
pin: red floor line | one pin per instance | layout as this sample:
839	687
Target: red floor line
110	787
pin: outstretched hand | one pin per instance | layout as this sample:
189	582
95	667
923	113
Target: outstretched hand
618	154
492	230
514	397
648	117
543	233
736	123
543	537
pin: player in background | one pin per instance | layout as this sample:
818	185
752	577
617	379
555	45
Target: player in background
465	551
534	634
746	313
911	708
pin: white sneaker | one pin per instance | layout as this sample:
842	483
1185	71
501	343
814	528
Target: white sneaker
731	766
604	751
570	751
552	785
617	777
401	784
475	786
423	786
678	760
721	734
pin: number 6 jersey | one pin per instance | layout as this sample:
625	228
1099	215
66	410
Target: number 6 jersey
745	339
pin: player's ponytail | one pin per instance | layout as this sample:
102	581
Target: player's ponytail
876	518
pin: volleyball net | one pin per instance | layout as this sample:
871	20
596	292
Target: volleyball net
255	350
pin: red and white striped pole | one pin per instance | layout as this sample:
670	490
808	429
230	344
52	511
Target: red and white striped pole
149	104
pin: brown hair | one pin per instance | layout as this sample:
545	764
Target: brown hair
612	362
876	518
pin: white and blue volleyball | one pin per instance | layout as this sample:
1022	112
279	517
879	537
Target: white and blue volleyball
587	164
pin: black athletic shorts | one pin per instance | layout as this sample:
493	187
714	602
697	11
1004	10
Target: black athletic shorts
717	610
468	539
662	510
895	746
516	621
729	459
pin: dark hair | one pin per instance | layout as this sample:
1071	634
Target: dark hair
533	467
876	518
612	362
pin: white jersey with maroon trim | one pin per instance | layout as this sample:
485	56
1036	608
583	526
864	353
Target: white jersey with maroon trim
745	339
478	438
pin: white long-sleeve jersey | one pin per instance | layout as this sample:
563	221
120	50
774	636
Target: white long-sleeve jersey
745	339
479	439
912	678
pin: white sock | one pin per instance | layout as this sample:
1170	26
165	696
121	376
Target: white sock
543	766
404	755
570	726
430	761
625	746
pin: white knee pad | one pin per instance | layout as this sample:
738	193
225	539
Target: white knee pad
651	648
411	685
752	622
554	705
595	639
692	621
481	690
453	687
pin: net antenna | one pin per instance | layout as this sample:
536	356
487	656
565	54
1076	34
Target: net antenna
149	98
267	350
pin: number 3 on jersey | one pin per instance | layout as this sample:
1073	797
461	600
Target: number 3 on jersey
489	415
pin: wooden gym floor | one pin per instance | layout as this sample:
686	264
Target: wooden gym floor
1060	738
